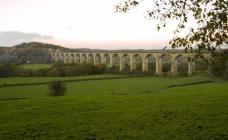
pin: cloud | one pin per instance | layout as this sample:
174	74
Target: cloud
10	38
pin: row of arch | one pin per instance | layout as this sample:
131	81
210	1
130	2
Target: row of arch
158	62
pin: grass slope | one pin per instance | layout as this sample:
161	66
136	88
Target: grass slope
19	80
131	108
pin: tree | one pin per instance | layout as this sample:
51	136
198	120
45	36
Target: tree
57	88
211	17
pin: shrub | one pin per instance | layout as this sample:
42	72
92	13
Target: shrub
151	72
57	71
182	69
100	68
137	72
201	65
8	70
219	65
57	88
225	72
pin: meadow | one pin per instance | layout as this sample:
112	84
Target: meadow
27	80
125	108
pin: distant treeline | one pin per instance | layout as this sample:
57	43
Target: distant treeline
12	70
62	70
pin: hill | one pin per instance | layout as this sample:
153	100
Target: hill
33	52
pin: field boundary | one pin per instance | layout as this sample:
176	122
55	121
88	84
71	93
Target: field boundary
177	85
191	83
67	81
9	99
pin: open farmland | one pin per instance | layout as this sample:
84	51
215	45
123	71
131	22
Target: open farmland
124	108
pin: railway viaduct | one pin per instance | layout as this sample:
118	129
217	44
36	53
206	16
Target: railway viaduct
125	58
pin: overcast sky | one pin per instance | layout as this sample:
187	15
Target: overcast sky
79	24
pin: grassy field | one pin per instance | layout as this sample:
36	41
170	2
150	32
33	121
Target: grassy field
19	80
35	66
132	108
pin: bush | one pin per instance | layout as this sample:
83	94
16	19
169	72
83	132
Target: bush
201	65
166	67
113	69
57	88
219	66
55	72
151	72
225	72
100	68
8	70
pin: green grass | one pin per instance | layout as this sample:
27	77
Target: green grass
18	80
135	108
35	66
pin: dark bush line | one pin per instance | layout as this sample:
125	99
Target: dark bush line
9	99
64	70
189	84
76	80
57	70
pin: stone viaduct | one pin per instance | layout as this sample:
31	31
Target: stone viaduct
123	58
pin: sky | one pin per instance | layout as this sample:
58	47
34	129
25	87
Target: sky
79	24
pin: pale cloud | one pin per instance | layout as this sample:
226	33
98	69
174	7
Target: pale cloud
83	23
10	38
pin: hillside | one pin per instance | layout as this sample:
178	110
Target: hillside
33	52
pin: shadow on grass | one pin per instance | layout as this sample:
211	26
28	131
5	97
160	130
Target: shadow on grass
10	99
177	85
76	80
